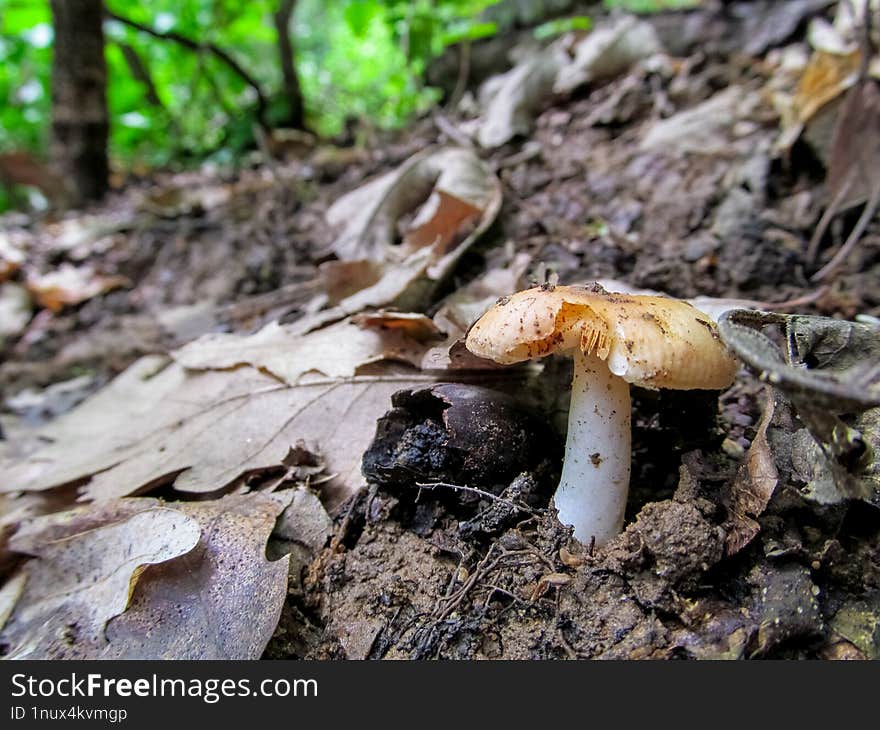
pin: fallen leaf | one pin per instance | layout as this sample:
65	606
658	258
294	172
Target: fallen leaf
447	217
608	51
341	279
708	128
80	582
510	101
752	487
15	310
201	429
221	600
305	521
69	285
370	214
9	595
858	621
417	327
337	351
774	23
11	257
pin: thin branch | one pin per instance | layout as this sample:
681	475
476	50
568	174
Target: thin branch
200	47
141	73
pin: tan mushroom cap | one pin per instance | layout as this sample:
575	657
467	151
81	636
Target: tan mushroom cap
653	342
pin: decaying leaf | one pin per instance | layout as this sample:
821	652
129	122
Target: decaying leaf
370	214
337	351
221	600
202	427
11	257
341	279
708	128
847	377
454	197
305	521
69	285
15	310
78	583
831	374
510	101
858	621
9	595
854	169
607	52
753	486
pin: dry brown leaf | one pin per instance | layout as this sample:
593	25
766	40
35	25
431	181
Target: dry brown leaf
11	257
608	51
9	595
80	582
369	215
417	327
753	486
825	78
511	101
15	309
337	351
448	218
201	430
69	286
709	128
341	279
221	600
404	274
305	521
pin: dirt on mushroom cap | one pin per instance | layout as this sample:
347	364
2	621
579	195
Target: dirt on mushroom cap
654	342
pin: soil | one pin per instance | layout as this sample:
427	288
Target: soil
440	573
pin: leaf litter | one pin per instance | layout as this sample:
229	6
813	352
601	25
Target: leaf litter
750	531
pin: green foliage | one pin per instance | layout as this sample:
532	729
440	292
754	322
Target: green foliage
650	6
355	58
25	57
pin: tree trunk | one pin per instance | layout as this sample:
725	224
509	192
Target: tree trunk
293	93
80	125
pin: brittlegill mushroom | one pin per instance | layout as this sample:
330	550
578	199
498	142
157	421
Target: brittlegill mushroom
615	340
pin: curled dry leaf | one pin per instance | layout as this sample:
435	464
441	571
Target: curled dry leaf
830	369
454	197
80	582
69	286
371	214
752	487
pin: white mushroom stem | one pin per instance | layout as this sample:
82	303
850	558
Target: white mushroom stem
595	474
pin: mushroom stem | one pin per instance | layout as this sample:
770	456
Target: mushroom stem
595	474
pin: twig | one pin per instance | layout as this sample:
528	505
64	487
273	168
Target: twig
464	72
852	239
200	47
451	131
474	490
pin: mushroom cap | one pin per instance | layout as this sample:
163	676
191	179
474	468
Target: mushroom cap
653	342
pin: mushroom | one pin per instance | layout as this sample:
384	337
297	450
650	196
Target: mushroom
615	339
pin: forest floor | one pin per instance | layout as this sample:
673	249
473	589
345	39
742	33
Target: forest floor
409	572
